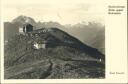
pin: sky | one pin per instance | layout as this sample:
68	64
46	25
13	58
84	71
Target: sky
62	11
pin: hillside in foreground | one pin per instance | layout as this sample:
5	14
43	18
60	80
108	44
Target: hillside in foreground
65	57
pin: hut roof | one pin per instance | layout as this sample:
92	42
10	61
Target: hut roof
26	24
40	42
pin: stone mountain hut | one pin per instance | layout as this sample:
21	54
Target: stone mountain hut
25	28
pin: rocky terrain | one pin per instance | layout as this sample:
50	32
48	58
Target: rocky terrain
65	57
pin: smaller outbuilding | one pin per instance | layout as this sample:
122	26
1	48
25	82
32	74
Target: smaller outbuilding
40	44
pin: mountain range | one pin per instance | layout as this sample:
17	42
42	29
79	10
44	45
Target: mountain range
92	34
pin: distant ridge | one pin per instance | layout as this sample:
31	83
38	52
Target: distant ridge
24	19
